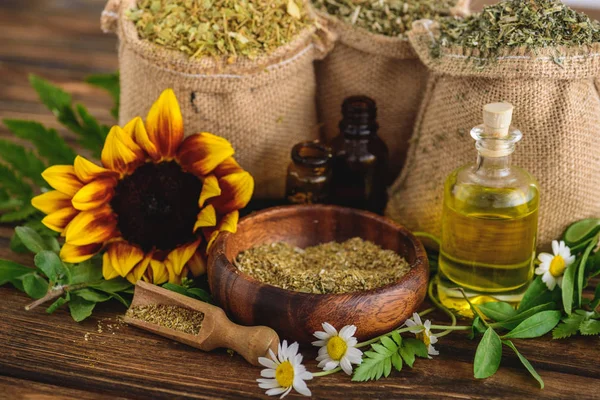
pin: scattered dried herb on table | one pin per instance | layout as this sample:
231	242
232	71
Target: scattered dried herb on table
514	23
386	17
172	317
220	27
351	266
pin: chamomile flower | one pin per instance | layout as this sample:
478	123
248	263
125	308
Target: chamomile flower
284	372
337	348
553	267
423	333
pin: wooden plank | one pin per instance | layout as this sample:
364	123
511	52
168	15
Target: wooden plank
18	389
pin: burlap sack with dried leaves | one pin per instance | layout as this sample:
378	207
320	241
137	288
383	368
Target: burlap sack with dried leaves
556	106
263	106
382	67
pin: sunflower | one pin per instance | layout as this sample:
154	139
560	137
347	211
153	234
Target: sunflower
157	203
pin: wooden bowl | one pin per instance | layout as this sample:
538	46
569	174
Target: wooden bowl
295	315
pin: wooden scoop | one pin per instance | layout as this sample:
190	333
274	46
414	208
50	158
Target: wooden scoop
216	331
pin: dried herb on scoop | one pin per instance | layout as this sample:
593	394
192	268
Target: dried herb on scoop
218	28
514	23
386	17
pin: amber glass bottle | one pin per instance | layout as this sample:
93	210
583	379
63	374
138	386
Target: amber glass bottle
309	173
360	158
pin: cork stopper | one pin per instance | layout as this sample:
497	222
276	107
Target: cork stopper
497	118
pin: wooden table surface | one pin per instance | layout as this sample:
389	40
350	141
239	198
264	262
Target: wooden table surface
51	357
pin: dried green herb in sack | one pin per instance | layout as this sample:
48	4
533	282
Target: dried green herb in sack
385	17
217	28
514	23
171	317
351	266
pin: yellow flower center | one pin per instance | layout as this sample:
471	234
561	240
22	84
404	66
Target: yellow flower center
284	374
336	348
557	266
424	337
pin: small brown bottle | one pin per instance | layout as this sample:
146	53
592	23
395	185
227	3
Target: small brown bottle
360	158
309	173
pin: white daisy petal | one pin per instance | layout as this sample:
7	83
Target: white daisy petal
329	329
541	269
297	359
300	386
549	280
319	343
331	365
265	362
346	366
351	342
433	339
432	351
323	361
559	282
307	376
427	325
275	391
347	332
555	247
323	350
417	319
268	385
293	349
569	260
323	357
545	257
410	322
267	373
286	392
321	335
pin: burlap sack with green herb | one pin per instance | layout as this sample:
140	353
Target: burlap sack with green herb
556	106
382	67
262	106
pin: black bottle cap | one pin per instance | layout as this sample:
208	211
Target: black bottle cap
312	154
359	116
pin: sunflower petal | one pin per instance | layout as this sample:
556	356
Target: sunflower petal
203	152
160	273
95	226
140	269
136	129
236	192
77	254
124	257
108	271
58	220
206	217
52	201
180	256
164	124
197	264
228	223
87	171
94	194
210	189
229	166
63	179
120	152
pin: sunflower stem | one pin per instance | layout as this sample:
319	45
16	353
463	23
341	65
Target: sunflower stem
54	293
325	373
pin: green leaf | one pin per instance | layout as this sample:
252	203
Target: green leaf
538	294
581	230
389	344
418	347
590	327
85	272
110	83
48	143
122	298
10	271
488	355
14	184
23	161
93	135
369	369
381	350
568	327
512	322
582	267
387	366
596	301
31	239
113	286
397	338
497	311
61	301
200	294
92	295
50	264
477	327
408	353
80	308
568	286
53	97
175	288
19	215
535	326
397	361
35	286
525	363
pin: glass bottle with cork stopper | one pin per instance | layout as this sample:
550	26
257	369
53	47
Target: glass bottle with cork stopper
489	220
309	173
360	158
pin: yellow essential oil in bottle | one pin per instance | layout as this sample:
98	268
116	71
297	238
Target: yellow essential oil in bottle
489	221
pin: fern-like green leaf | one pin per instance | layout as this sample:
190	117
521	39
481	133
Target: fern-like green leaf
19	215
568	327
590	327
23	161
110	83
378	363
48	143
13	183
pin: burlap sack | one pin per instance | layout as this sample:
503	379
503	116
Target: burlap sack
262	106
381	67
556	106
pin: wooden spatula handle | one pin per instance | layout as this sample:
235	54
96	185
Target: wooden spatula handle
253	342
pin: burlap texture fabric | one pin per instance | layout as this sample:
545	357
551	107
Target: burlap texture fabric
556	106
262	106
381	67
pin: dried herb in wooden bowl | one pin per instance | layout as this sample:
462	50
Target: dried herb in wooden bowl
352	266
217	28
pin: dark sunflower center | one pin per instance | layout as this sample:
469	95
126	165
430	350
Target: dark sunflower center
157	206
